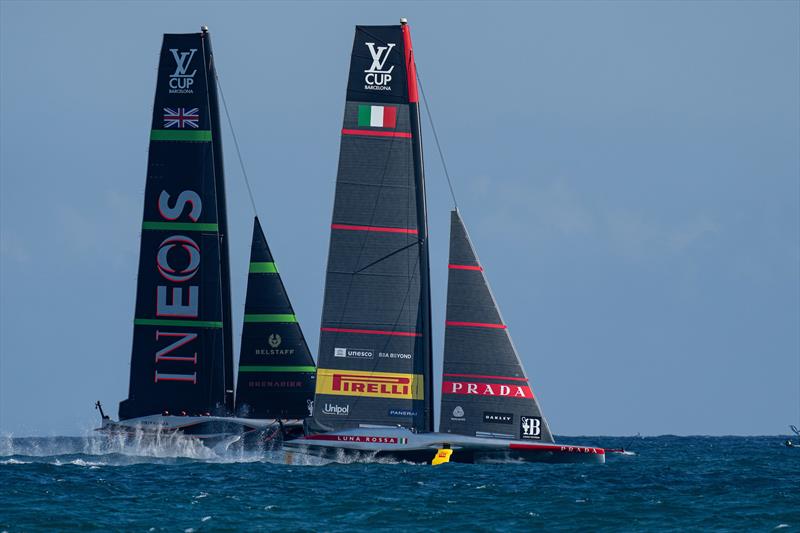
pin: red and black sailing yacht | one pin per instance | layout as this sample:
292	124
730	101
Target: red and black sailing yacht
374	391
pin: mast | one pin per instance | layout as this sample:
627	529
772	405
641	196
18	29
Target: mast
422	220
222	215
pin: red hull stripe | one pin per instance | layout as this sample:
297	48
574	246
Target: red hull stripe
475	325
558	448
372	133
484	377
373	228
373	332
464	267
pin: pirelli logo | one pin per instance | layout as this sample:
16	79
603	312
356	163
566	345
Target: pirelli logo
370	384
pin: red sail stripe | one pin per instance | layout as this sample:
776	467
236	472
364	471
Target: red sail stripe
373	332
464	267
484	377
373	228
475	325
402	134
558	448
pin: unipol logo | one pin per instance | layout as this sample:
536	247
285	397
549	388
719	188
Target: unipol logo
378	77
530	427
180	81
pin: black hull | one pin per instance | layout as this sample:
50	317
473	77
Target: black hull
213	432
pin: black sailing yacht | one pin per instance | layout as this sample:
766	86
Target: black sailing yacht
181	376
374	393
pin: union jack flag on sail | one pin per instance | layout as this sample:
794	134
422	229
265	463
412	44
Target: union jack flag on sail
180	117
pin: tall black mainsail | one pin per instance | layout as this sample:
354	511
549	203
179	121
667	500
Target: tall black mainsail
182	342
276	371
485	391
375	345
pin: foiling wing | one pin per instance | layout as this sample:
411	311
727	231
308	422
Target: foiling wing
374	355
276	371
181	358
485	391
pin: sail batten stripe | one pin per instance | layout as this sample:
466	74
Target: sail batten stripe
351	227
465	267
475	325
181	135
480	376
263	267
284	318
181	226
373	332
263	368
177	323
372	133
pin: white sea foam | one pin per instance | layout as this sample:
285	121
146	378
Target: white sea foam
13	461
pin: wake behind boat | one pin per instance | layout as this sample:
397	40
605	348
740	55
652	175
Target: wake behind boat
374	393
182	376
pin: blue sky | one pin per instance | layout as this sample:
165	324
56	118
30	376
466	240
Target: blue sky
629	173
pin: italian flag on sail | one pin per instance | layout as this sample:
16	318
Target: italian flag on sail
377	116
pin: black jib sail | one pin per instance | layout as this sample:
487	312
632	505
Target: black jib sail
182	356
485	391
276	371
375	344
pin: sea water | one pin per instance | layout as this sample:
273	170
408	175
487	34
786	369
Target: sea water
669	483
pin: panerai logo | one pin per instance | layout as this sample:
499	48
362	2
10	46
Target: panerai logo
530	427
180	82
377	78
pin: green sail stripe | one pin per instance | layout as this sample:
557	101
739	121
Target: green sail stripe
270	318
181	226
257	368
263	267
181	135
177	323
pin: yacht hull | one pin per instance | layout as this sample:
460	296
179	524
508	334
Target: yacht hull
210	430
401	444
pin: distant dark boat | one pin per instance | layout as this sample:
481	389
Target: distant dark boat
374	394
182	376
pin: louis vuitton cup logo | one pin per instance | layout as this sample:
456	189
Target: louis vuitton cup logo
379	78
180	81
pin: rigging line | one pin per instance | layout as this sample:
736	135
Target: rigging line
236	144
436	137
387	256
